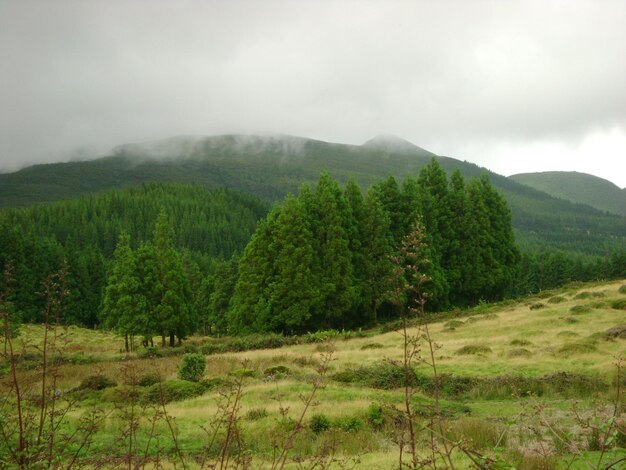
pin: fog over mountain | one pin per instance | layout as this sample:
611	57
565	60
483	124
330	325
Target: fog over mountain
519	86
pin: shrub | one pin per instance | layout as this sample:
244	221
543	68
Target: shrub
348	423
580	347
243	372
520	342
150	378
121	394
453	324
580	309
375	415
256	413
571	320
622	289
480	433
192	367
383	375
173	390
556	300
619	304
520	352
97	382
277	371
536	306
618	331
319	423
587	295
372	346
473	349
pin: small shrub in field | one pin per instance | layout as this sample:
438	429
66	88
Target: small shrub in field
571	320
556	300
587	295
372	346
619	304
480	433
213	348
97	382
256	413
567	334
349	423
383	375
580	347
536	306
473	349
277	371
192	367
520	352
319	423
580	309
618	331
453	324
622	289
121	394
520	342
375	415
598	304
150	378
173	390
243	372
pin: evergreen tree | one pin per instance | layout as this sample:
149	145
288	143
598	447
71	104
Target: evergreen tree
123	304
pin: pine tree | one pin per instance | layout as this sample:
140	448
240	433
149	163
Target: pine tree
124	306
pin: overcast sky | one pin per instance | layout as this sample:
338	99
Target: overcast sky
515	86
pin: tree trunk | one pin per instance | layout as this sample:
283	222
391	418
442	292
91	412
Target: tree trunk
180	341
172	340
126	343
163	344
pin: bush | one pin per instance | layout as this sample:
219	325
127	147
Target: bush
150	378
453	324
173	390
556	300
256	413
372	346
375	415
473	349
277	371
383	375
349	423
619	304
97	382
580	309
243	372
618	331
121	394
580	347
520	352
192	367
622	289
520	342
319	423
536	306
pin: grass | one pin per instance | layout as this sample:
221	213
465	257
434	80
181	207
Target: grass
493	367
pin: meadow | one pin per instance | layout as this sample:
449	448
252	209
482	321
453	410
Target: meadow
534	383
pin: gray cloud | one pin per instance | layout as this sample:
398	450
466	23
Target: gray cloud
515	86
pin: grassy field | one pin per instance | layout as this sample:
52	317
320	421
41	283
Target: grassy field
530	384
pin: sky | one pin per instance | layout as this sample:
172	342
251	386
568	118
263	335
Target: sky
514	86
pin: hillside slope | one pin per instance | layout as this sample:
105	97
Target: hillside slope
270	167
578	187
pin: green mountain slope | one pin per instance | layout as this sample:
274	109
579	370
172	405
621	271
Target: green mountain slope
270	167
578	187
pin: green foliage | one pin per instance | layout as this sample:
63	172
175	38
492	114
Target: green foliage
384	375
556	300
277	371
319	423
192	367
375	415
256	413
520	342
149	379
622	289
97	382
473	349
172	390
580	309
619	304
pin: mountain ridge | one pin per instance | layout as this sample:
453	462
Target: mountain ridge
272	166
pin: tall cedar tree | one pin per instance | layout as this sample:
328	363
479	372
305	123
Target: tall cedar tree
124	305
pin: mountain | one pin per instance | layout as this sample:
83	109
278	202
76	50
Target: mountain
578	187
272	166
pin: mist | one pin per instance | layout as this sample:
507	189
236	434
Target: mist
513	86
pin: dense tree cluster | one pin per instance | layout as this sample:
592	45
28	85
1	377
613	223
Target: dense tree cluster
209	225
323	259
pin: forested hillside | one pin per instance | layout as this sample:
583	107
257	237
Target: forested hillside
578	187
271	167
206	226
